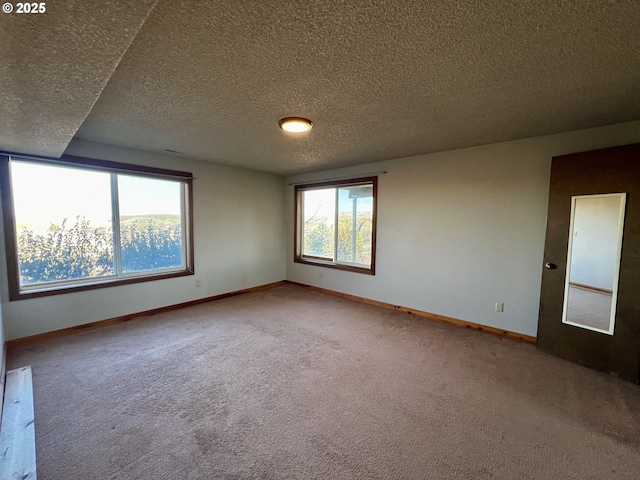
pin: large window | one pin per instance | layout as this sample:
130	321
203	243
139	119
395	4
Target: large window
336	224
77	223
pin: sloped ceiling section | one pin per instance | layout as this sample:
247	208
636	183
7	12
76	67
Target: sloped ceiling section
54	65
379	79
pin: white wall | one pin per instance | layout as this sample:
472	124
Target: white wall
460	230
238	236
595	241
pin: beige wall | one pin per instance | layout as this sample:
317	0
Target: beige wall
239	243
461	230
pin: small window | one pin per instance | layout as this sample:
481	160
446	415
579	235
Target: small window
336	224
74	224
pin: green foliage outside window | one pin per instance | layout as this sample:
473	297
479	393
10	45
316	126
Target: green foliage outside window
319	238
81	251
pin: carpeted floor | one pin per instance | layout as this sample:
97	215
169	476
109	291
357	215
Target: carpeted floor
292	383
589	308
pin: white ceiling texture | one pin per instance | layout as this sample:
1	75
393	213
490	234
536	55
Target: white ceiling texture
380	79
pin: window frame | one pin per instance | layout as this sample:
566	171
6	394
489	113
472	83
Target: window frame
298	223
16	292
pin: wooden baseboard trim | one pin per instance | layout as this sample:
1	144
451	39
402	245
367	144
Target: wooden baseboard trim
431	316
591	289
131	316
125	318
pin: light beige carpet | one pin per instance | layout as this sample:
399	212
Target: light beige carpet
592	309
289	383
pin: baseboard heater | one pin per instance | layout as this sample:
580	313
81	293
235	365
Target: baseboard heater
18	433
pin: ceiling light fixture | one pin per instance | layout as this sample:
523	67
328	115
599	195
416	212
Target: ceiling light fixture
295	124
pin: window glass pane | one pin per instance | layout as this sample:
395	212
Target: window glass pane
355	224
318	228
63	223
150	223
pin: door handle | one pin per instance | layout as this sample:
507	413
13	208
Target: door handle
550	266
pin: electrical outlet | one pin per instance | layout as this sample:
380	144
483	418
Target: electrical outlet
198	282
499	307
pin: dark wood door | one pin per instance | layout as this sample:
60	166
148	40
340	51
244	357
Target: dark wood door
612	170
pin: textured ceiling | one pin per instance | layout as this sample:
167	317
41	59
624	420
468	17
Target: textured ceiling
53	66
379	79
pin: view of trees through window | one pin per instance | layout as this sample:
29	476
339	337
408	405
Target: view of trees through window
150	223
351	208
64	223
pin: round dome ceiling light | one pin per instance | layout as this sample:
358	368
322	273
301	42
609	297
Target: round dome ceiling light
295	124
